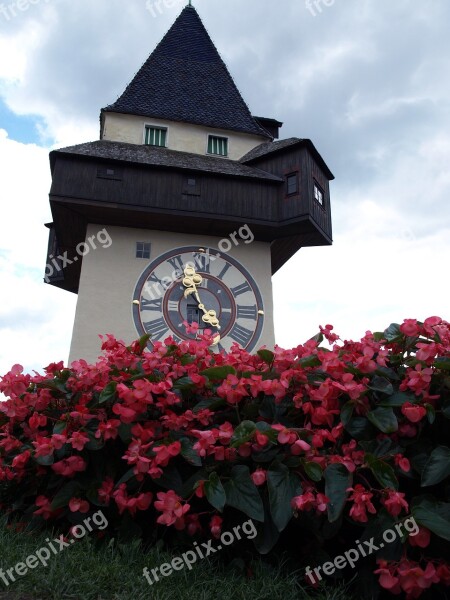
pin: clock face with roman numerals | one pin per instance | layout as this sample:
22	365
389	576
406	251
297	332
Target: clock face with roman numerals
225	287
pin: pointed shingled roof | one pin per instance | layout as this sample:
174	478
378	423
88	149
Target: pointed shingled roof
185	79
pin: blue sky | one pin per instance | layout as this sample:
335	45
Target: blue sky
23	129
367	80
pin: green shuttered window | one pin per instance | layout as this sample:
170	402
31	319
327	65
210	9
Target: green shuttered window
217	145
155	136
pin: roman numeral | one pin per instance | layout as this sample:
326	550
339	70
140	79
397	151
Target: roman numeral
241	289
177	263
153	278
202	261
172	306
247	312
157	328
151	304
224	270
241	335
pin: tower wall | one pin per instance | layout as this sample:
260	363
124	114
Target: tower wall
109	276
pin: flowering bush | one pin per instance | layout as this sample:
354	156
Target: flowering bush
321	445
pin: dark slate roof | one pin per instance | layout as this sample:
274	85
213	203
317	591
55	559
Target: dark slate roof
271	147
185	79
162	157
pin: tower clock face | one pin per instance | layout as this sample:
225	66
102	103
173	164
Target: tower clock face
199	285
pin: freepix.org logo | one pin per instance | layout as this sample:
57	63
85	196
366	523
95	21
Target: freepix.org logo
15	9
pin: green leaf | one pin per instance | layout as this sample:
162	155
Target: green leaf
433	515
397	399
283	486
267	356
443	363
382	471
45	461
437	468
94	443
360	428
184	383
347	413
188	452
218	373
125	433
59	427
337	481
319	337
210	403
431	413
309	361
215	492
243	433
384	419
143	341
65	495
243	494
109	393
393	333
171	479
126	477
187	359
313	470
381	384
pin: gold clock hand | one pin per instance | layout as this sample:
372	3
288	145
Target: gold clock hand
191	281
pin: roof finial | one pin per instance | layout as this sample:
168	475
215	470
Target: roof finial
190	3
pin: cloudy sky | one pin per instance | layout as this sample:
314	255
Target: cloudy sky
367	80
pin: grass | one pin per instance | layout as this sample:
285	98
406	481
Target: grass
114	572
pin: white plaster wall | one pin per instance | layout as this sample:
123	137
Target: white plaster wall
109	276
181	136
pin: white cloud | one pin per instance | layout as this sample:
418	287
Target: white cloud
35	319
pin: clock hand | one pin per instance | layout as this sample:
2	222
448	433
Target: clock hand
191	281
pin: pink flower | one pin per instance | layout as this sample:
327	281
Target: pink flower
79	440
44	507
299	447
106	490
216	526
395	503
421	539
77	505
69	466
410	328
413	412
362	503
259	477
170	505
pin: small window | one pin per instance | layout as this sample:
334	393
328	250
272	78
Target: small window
218	145
110	172
143	250
191	182
156	136
292	184
319	194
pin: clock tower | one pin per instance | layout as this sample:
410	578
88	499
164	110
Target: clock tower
184	208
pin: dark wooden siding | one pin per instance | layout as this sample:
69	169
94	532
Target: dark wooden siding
151	188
